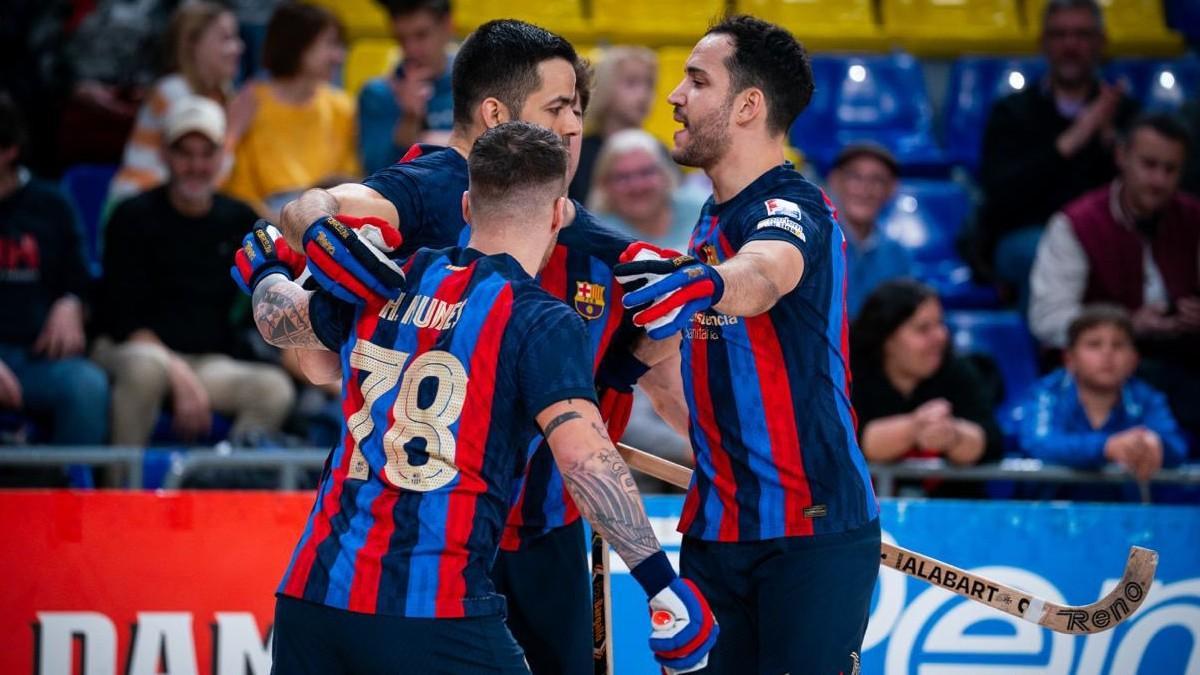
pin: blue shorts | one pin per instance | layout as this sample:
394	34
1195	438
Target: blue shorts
792	605
547	585
312	638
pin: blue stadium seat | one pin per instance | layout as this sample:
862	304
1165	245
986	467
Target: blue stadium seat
876	97
1004	337
87	187
1159	84
1184	16
163	435
976	82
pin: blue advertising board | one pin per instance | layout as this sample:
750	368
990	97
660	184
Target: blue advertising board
1069	553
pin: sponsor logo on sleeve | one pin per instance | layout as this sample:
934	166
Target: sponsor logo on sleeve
787	224
782	207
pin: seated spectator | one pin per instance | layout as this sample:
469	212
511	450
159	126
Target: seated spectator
301	133
861	182
912	396
1050	142
204	50
1093	412
167	297
635	188
1133	243
43	281
624	94
414	103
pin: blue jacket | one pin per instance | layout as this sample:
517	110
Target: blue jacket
378	113
1053	427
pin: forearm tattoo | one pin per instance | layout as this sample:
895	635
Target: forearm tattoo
281	314
607	496
559	421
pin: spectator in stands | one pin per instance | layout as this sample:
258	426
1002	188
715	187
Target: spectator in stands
43	281
625	79
204	51
1049	143
301	131
168	299
414	103
1134	243
861	182
635	188
1093	412
1191	173
912	396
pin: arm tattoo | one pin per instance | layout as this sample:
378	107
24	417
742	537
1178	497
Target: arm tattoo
281	314
559	421
606	494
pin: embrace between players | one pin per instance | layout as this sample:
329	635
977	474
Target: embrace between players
481	325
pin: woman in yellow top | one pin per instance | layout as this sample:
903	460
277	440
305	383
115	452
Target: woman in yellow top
299	130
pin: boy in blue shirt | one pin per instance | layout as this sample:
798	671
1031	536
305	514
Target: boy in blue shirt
1093	411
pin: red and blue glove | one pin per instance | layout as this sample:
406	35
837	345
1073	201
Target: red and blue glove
683	629
264	251
674	285
348	256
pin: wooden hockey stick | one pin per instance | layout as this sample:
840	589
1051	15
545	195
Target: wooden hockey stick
602	657
1119	604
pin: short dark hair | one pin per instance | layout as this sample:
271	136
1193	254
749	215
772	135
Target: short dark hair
1055	6
12	125
512	158
1166	124
772	59
399	8
1099	314
292	29
583	82
500	60
883	312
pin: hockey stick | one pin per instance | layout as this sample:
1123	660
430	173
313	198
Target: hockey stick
602	657
1119	604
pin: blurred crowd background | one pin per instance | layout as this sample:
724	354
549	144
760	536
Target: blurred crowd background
1016	181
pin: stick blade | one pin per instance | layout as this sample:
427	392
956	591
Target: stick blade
1118	605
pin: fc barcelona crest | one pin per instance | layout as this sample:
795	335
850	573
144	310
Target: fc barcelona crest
589	299
708	254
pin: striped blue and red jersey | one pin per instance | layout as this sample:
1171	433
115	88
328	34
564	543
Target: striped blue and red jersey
426	187
441	388
771	420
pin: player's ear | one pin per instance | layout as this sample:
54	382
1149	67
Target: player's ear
560	211
466	207
752	104
494	112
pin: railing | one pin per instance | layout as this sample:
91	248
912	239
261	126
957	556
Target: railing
288	465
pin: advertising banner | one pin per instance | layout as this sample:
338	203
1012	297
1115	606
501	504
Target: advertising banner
183	583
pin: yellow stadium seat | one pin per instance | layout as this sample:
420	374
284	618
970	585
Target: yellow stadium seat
564	17
824	25
670	74
952	27
368	58
361	18
1135	27
655	22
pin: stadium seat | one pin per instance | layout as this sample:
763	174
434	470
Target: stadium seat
564	17
1135	27
1184	16
654	22
1157	84
952	27
361	18
824	25
87	187
880	98
975	83
368	58
1004	337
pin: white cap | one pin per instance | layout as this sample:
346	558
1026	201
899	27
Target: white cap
195	114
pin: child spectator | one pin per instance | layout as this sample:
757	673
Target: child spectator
914	398
1093	412
42	285
413	104
301	131
625	79
204	52
166	308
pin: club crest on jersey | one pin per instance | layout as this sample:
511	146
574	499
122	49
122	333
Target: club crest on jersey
782	207
589	299
708	254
